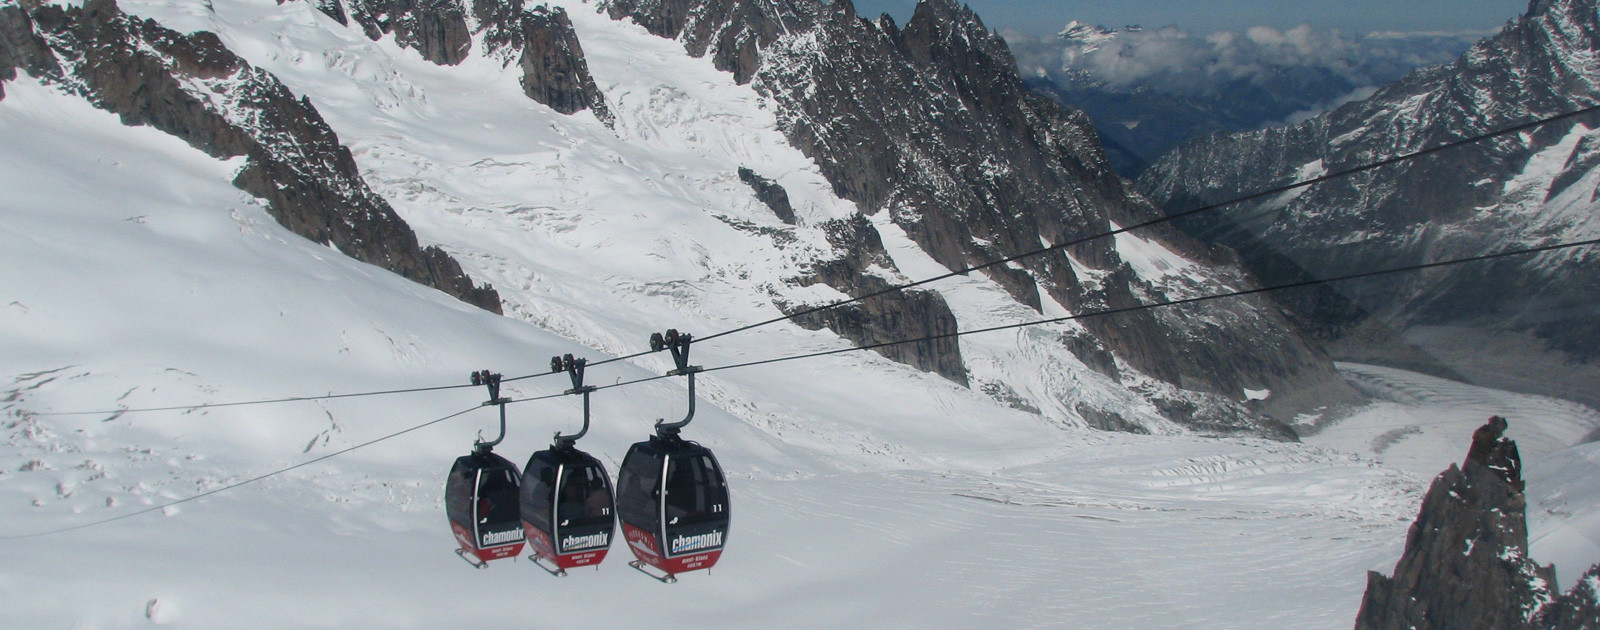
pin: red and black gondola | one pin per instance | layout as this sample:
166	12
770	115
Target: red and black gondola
673	501
567	508
569	511
481	495
482	503
671	494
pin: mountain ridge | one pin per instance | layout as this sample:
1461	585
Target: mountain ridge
1477	199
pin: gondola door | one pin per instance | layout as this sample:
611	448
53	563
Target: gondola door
694	510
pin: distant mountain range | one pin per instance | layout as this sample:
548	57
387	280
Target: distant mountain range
1150	89
1527	323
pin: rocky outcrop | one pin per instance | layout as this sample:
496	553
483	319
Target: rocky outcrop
1577	609
1527	189
539	39
21	48
435	28
769	193
732	32
891	317
193	87
543	44
1466	561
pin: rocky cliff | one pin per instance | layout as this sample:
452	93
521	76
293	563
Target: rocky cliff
1466	561
732	32
1527	189
887	316
193	87
435	28
541	41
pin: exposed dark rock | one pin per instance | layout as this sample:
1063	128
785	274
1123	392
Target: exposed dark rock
333	9
150	75
732	31
1108	420
21	48
435	28
893	316
554	71
1009	397
1092	353
770	193
1466	563
544	45
1578	609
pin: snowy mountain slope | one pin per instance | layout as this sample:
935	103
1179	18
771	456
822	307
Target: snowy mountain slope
554	210
931	125
204	298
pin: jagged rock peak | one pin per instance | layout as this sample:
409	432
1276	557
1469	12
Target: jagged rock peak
1466	563
554	70
541	40
194	88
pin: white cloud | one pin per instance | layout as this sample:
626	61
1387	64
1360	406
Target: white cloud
1180	61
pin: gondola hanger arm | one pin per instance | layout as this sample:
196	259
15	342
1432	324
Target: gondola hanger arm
492	381
574	368
678	344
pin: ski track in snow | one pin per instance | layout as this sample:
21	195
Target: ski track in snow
938	508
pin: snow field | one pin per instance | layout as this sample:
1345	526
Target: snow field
865	493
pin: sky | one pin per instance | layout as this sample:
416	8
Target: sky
1355	16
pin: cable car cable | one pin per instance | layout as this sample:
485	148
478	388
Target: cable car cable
243	403
1193	300
1169	218
241	483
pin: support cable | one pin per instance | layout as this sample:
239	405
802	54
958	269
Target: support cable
1169	218
1193	300
240	483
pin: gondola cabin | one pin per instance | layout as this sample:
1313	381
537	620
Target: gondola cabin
481	500
567	508
673	501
